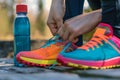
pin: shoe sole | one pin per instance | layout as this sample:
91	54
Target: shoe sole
107	64
35	62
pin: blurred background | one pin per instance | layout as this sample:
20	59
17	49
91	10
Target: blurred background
38	13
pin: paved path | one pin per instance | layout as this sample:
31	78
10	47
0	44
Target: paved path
9	72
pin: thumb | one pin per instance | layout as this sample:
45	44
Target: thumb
59	23
52	28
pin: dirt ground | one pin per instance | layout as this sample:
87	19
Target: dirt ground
9	72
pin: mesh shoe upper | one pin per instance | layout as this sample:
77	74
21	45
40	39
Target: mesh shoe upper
100	47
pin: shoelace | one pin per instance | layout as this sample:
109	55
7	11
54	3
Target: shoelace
64	49
97	39
52	40
52	66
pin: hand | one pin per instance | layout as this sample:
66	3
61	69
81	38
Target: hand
79	25
55	19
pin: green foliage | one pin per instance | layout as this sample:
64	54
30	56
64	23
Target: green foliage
40	22
4	23
87	36
87	10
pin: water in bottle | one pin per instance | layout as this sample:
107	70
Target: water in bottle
21	31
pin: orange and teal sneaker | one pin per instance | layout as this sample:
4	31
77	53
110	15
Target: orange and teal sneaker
44	56
101	52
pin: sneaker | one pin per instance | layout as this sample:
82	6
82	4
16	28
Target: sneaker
101	52
44	56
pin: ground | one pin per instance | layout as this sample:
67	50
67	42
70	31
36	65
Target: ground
9	72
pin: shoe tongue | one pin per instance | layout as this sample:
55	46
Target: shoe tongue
104	29
99	31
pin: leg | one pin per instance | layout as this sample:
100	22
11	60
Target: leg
94	4
111	14
74	8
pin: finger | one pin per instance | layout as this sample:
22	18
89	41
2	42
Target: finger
72	36
59	23
53	28
75	40
61	32
66	35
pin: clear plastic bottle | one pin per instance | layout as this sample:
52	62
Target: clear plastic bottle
21	32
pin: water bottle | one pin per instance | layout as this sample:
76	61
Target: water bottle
21	32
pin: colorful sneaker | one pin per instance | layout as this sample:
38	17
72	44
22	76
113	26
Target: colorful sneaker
44	56
101	52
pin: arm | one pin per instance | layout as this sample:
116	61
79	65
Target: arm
80	25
